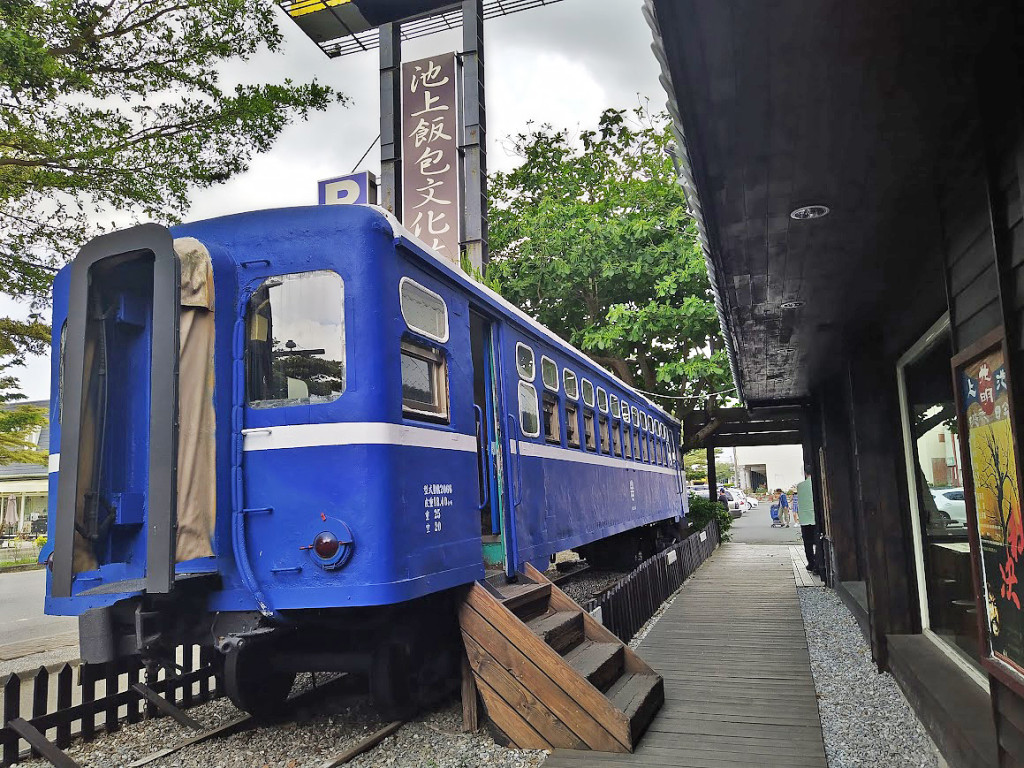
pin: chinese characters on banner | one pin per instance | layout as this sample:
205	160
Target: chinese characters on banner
430	162
985	398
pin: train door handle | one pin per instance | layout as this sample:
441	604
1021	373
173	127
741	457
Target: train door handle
483	459
514	431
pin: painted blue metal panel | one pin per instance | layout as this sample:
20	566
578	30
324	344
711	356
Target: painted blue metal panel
390	496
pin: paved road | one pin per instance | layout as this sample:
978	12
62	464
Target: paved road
755	527
23	626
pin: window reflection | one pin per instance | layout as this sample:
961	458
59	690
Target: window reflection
936	481
296	340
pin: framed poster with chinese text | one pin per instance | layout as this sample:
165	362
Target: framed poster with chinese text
988	437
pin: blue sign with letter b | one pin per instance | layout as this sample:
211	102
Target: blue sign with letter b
348	190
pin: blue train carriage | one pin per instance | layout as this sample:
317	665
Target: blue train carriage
291	434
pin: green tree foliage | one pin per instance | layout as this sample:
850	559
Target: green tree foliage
117	107
19	422
591	235
110	105
695	465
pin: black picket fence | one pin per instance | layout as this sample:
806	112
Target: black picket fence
58	706
627	606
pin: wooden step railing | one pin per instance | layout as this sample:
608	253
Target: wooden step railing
549	675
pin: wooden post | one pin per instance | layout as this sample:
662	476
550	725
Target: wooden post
470	714
712	475
876	441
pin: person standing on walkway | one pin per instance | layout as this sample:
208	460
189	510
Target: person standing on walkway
808	521
723	499
783	507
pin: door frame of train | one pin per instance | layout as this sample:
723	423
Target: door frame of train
498	455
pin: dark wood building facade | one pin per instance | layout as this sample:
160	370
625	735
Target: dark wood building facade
904	120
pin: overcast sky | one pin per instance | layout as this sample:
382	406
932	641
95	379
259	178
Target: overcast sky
561	64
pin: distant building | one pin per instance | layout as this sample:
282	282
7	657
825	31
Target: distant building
23	487
769	466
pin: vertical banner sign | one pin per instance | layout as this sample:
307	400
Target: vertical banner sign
430	160
985	415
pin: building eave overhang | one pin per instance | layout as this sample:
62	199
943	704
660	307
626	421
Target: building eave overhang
686	153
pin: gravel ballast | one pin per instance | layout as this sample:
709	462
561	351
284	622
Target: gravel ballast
433	739
865	719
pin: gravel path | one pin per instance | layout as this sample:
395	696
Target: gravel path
865	719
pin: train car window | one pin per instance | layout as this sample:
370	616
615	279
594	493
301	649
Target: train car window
588	430
552	433
570	384
525	362
588	393
423	310
615	406
295	349
549	373
617	438
572	426
625	412
636	416
529	418
424	382
602	400
604	434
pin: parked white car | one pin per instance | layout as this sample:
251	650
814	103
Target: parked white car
742	498
951	502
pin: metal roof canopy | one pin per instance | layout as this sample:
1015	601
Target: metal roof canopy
791	103
341	27
739	427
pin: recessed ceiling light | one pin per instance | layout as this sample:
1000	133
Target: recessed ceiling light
809	212
786	349
791	305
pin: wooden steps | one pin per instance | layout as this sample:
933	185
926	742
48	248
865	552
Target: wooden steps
550	676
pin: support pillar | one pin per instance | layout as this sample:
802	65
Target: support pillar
391	118
473	137
712	475
876	441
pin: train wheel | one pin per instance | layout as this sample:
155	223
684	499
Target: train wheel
391	683
252	687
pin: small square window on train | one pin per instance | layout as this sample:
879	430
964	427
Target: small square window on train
602	400
636	416
572	426
424	382
525	362
604	435
615	406
529	417
617	437
552	433
295	348
549	373
588	393
570	384
423	310
625	412
588	430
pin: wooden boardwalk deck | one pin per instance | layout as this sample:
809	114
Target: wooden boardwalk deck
738	686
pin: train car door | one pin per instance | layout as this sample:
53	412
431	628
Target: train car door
491	462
